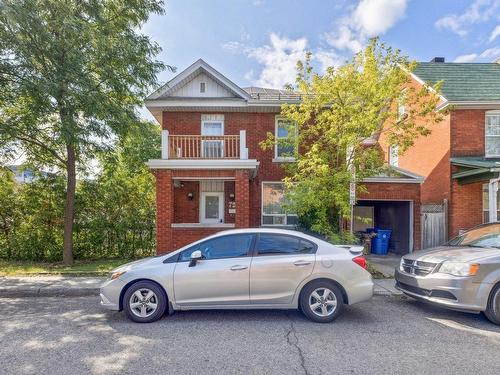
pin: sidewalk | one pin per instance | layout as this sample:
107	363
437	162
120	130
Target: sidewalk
49	286
64	286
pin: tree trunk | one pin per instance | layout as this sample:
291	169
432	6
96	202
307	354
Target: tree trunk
69	208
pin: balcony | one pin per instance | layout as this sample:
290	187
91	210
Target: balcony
204	147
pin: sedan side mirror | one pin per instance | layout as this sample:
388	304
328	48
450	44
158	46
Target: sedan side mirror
195	256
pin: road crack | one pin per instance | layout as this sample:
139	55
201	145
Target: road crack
293	340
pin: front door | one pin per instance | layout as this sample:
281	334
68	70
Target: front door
212	207
280	263
221	277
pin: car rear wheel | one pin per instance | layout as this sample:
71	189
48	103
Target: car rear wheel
144	302
321	301
493	309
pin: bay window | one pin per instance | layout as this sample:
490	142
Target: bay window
273	202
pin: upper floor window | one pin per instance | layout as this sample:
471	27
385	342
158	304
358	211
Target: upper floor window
394	155
283	150
492	134
273	205
202	87
401	105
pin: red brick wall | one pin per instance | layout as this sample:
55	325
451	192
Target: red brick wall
393	191
467	132
164	210
185	210
466	207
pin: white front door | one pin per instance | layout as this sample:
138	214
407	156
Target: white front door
212	207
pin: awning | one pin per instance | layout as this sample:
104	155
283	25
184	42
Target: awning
475	168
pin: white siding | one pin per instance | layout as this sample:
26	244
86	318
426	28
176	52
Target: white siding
212	186
212	89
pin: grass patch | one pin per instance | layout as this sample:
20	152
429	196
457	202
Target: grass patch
79	268
376	274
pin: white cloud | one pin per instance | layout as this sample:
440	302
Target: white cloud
327	59
465	58
370	18
494	34
478	11
488	55
279	60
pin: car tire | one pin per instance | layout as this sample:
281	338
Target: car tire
144	302
493	308
321	301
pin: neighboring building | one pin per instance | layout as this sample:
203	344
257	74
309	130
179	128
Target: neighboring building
213	174
460	160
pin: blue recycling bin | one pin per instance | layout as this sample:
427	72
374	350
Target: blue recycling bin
380	243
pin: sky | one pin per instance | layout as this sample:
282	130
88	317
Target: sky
257	42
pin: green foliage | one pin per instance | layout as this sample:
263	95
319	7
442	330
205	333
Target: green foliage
115	209
339	111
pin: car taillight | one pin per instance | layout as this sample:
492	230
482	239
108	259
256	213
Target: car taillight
361	261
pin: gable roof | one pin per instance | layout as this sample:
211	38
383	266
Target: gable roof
191	72
463	82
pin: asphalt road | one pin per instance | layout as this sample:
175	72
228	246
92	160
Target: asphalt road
388	335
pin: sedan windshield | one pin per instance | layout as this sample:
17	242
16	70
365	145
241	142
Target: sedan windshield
482	236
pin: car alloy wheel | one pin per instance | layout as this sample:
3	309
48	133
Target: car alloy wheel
323	302
493	309
143	303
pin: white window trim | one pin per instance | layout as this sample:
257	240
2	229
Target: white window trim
402	113
262	208
221	121
486	136
393	155
281	159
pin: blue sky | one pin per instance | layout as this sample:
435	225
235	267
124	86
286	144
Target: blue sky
257	42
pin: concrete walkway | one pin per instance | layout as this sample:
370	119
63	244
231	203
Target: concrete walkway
60	286
385	264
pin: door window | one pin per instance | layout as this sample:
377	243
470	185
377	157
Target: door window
276	244
212	209
234	246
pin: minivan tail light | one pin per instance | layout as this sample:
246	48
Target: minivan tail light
361	261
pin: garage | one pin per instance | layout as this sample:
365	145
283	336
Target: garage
392	215
391	201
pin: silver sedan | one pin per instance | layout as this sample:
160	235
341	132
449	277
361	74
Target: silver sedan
243	269
463	275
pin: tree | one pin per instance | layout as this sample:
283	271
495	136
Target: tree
339	111
72	73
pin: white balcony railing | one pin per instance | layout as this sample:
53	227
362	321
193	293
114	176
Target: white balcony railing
203	146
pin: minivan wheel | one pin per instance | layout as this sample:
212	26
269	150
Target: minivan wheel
144	302
321	301
493	308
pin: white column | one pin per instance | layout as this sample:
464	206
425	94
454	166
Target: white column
492	199
164	144
243	145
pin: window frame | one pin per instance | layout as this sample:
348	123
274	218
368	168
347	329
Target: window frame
255	252
486	208
262	208
494	113
278	158
393	157
249	253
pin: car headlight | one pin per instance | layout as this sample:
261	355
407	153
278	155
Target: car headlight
401	262
459	268
115	275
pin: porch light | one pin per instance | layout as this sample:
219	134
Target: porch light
190	196
231	196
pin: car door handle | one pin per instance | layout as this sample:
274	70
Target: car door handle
302	263
238	268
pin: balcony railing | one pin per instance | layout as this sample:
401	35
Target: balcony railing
204	146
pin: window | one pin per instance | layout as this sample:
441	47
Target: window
283	149
212	126
394	156
234	246
486	204
273	201
401	105
492	134
202	87
278	244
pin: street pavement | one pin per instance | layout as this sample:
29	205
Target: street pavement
387	335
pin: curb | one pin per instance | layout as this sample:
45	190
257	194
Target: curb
47	292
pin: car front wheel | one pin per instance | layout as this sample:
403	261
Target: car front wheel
493	309
144	302
321	301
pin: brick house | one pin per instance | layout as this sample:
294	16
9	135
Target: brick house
213	175
460	160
